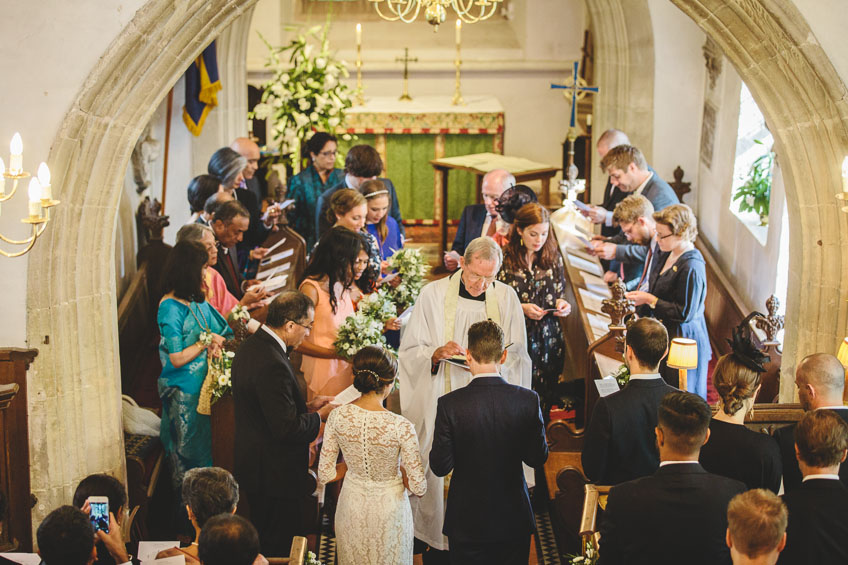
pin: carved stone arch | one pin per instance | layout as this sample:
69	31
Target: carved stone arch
804	103
623	39
75	396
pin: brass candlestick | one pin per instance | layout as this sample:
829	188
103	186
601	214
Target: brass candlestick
457	95
360	99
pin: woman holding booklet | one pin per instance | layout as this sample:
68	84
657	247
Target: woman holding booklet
533	267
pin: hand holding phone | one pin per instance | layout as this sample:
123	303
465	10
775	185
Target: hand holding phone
99	514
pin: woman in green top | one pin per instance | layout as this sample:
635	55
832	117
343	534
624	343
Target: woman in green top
306	186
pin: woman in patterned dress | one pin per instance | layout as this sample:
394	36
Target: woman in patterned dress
533	267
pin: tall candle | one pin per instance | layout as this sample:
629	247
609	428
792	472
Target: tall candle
588	120
458	31
358	35
44	181
845	174
16	161
34	198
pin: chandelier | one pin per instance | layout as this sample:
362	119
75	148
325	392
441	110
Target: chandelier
435	11
40	197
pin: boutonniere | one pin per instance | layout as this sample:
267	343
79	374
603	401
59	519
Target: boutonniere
674	268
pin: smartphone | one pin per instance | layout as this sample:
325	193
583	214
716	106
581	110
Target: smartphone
99	515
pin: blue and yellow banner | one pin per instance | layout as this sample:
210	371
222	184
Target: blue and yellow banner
201	89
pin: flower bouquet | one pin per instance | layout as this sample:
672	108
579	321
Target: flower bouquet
622	375
222	377
378	305
304	94
357	331
410	265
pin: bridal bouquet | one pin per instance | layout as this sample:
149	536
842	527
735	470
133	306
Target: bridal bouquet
222	376
357	331
378	305
410	264
305	93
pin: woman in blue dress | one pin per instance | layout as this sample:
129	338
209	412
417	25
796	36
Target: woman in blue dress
306	186
378	222
677	289
184	314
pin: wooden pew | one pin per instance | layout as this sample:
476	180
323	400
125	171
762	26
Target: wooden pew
293	265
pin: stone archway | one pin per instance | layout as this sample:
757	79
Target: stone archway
75	396
804	101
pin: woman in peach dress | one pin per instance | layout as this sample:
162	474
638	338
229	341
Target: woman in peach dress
334	264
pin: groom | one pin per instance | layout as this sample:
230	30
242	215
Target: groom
483	433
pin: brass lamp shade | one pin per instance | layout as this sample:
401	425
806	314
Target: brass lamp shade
842	355
683	353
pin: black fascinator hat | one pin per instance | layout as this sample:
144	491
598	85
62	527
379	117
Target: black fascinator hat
513	199
745	348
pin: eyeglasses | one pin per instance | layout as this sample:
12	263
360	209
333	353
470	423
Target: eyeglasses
328	153
475	279
661	237
309	327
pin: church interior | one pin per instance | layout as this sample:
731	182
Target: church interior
702	87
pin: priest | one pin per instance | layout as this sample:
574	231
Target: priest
437	332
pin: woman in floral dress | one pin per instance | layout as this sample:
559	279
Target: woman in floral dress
533	267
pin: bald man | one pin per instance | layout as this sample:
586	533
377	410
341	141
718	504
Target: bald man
250	151
479	220
820	379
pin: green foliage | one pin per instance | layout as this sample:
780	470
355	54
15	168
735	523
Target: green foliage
754	194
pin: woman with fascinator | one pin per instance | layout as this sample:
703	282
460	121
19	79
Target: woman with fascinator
509	203
732	450
381	453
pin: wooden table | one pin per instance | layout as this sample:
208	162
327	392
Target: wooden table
479	164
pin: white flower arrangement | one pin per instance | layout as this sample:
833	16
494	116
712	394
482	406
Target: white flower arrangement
205	338
311	559
357	331
378	305
240	314
410	264
305	94
222	381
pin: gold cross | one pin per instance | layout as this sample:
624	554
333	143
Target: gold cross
406	60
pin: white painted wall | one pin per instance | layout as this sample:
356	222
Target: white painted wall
47	49
828	20
679	75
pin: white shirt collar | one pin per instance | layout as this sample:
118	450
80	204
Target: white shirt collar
642	186
832	408
664	463
645	376
275	336
822	476
478	375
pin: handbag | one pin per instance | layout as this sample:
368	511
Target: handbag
138	420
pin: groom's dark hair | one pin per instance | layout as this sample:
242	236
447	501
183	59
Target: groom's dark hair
485	341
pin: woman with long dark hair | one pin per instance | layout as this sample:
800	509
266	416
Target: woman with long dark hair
306	186
533	267
184	315
329	281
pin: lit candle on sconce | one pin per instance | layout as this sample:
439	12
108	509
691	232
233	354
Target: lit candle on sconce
34	198
845	174
588	120
44	181
16	161
458	31
358	35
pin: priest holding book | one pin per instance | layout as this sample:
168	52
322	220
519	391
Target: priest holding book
437	330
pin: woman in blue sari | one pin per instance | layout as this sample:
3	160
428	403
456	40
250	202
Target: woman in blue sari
306	186
184	314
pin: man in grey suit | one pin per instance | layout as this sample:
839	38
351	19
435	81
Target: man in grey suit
629	172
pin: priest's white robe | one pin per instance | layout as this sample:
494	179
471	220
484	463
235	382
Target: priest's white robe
420	390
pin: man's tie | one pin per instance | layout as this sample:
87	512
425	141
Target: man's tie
646	267
493	225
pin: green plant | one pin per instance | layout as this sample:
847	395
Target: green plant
754	194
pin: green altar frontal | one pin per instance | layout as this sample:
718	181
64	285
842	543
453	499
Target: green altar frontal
408	135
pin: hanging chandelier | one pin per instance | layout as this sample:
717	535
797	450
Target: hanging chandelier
435	11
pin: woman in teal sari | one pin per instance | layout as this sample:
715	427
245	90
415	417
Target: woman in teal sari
306	186
183	316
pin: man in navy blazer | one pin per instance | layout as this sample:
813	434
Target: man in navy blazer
483	434
274	425
678	514
362	163
478	220
818	508
629	172
620	442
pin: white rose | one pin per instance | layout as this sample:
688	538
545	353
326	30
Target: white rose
222	380
230	354
300	119
333	122
303	104
320	62
314	116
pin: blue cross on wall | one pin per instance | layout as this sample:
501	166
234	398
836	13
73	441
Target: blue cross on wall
575	89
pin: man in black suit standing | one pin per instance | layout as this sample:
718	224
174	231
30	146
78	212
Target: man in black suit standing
820	379
620	442
479	220
362	163
818	509
273	424
483	433
678	514
630	173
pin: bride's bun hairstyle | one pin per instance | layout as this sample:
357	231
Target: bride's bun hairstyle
374	368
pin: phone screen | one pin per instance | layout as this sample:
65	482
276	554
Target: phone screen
99	516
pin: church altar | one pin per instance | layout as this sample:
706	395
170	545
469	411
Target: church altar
410	134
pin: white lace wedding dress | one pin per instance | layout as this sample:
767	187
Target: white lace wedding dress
373	517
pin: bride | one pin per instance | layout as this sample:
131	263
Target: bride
373	518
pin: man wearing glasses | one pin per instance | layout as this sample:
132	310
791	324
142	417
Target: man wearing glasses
274	425
362	163
479	220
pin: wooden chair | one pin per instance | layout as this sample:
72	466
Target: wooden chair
297	556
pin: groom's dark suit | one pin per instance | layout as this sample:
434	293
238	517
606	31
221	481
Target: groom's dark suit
483	433
273	431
